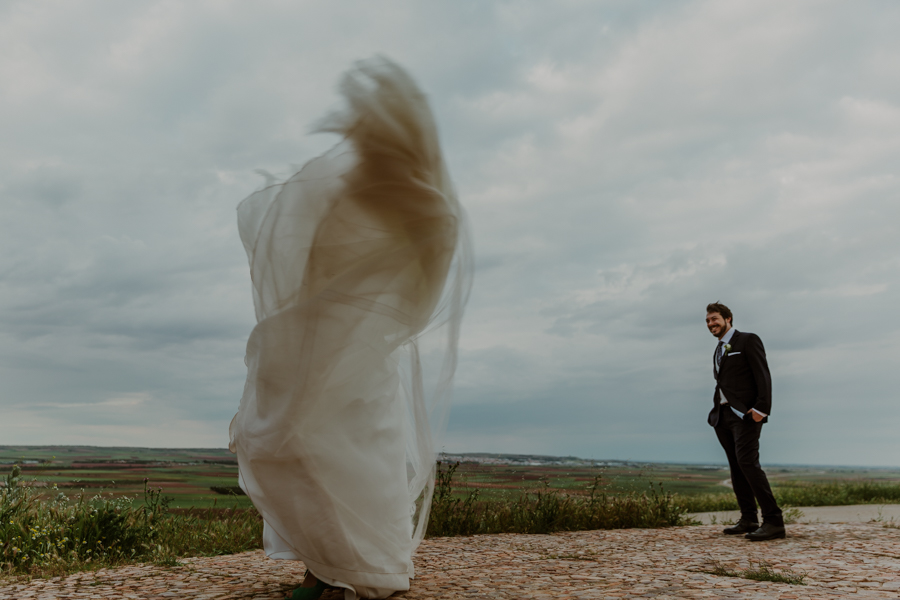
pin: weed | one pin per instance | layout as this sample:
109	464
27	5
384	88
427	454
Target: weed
836	493
887	523
40	537
791	515
546	510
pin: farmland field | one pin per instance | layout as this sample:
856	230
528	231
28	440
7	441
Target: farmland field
185	475
496	480
188	475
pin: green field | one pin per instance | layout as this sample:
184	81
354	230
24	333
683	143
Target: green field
498	481
187	475
74	508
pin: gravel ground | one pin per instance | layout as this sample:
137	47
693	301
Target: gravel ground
858	559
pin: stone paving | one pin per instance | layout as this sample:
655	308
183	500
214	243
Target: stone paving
857	560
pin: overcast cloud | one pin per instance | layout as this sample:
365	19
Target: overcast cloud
622	163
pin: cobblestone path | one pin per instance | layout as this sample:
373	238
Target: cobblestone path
860	560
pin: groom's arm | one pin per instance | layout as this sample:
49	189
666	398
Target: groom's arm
756	357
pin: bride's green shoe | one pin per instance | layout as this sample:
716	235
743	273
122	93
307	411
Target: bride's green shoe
308	593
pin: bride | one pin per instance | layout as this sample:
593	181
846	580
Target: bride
361	268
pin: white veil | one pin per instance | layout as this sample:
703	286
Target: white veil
361	267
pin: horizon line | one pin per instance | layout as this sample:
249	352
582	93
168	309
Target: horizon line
486	454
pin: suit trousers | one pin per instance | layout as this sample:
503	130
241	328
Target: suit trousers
740	440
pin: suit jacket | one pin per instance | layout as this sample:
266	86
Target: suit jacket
743	377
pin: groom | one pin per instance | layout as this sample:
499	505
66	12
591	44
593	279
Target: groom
741	404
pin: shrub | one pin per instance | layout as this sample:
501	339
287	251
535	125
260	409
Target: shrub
836	493
546	510
60	535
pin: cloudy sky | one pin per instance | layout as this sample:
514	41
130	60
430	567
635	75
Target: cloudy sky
622	163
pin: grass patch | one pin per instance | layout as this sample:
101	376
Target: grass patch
546	510
886	523
791	515
836	493
42	537
763	571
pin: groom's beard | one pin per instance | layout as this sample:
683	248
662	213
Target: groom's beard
717	330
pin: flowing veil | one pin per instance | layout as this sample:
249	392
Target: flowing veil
361	268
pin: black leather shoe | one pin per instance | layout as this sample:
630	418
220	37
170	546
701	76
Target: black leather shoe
766	532
740	527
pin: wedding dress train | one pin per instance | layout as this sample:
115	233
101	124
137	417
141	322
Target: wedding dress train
361	268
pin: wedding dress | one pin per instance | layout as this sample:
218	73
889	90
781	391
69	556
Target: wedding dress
361	267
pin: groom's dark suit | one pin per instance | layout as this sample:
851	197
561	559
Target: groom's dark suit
744	381
743	377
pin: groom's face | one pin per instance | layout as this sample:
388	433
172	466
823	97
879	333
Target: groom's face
717	325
